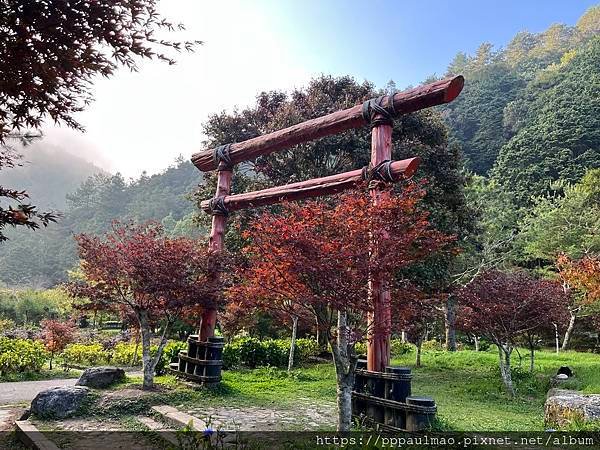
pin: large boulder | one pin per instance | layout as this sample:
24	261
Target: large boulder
59	402
100	377
563	406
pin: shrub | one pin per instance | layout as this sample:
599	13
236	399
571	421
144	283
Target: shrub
399	348
360	348
170	351
252	352
84	355
305	349
432	344
123	353
6	324
21	355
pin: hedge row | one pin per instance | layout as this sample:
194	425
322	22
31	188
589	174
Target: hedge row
252	352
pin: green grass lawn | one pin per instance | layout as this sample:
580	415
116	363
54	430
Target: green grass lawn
470	396
465	385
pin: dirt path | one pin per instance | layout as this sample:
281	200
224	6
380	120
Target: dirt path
24	391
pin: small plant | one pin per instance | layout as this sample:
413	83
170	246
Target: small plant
21	355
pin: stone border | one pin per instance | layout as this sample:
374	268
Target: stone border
178	418
29	435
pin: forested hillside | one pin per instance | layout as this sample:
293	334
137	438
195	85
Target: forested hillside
530	112
527	122
48	174
41	258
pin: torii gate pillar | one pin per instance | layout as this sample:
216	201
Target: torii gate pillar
216	243
379	321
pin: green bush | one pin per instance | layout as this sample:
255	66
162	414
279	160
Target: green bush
21	355
170	351
399	348
84	355
122	354
305	349
360	348
432	344
252	352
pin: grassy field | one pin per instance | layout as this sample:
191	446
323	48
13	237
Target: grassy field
465	385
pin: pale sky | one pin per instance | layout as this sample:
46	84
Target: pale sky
143	121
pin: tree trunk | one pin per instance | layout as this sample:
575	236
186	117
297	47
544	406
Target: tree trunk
345	364
135	350
556	338
476	339
569	330
450	323
293	342
51	358
419	344
149	363
504	352
531	359
403	337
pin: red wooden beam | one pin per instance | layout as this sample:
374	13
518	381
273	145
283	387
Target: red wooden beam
405	102
311	188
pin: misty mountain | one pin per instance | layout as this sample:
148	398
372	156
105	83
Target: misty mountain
48	173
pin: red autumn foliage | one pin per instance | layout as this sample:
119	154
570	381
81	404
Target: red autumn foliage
503	306
56	335
583	275
317	258
138	271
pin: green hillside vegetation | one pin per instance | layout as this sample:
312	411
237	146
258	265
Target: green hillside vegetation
42	258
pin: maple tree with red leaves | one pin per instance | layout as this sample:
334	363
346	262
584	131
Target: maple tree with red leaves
138	271
56	335
504	306
315	259
583	275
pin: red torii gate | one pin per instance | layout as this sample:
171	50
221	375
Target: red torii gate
379	113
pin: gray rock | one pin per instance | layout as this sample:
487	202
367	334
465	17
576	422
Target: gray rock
563	406
59	402
100	377
562	376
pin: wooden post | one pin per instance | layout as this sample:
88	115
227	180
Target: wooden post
216	241
379	321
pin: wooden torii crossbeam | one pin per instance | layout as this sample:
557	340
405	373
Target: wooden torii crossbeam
379	113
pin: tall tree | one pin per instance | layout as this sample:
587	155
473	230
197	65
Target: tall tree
141	273
317	257
502	306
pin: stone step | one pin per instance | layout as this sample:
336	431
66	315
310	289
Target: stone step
178	418
165	433
29	435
